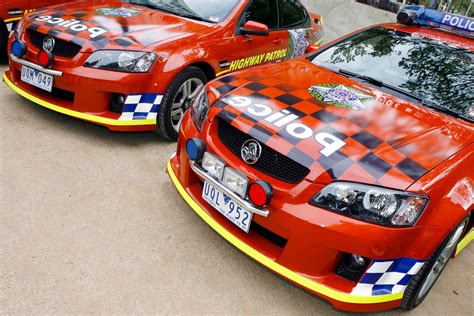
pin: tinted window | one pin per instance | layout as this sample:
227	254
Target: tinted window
263	11
292	14
429	70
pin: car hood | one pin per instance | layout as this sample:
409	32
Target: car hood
111	25
337	127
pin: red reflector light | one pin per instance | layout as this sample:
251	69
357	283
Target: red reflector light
45	58
260	193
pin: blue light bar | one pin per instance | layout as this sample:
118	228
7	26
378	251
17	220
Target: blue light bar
419	15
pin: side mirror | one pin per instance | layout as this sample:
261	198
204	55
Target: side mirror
317	18
254	28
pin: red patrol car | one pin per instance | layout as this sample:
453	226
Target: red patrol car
350	171
135	65
11	11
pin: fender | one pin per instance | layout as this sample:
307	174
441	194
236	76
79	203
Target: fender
177	62
450	187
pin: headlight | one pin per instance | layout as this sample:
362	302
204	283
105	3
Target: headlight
214	165
235	181
199	109
371	204
125	61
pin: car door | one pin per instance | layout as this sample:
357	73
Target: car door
295	19
252	50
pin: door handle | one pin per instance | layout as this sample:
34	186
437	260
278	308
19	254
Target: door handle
277	41
15	11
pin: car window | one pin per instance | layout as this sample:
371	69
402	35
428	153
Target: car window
430	70
213	11
263	11
292	14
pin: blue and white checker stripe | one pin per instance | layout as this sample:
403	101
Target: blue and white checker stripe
141	107
387	277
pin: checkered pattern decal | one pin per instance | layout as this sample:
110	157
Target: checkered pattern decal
372	154
107	40
387	277
141	107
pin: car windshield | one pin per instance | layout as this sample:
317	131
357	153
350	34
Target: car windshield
213	11
432	73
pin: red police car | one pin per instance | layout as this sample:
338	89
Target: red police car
135	65
11	11
349	172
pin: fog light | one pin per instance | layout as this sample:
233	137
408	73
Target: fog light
213	165
352	266
18	48
235	181
260	193
45	59
358	260
117	100
195	148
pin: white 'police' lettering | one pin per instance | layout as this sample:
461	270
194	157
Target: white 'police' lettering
457	21
329	142
73	25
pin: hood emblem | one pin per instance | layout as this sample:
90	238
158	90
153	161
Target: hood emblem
118	12
251	151
341	96
48	44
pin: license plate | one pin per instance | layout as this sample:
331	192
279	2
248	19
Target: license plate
37	78
227	207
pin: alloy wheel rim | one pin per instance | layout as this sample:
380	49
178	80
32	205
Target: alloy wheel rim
441	261
187	92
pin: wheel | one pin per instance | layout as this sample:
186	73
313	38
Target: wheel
420	285
181	92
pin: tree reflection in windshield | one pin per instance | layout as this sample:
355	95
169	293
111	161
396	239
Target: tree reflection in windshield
431	70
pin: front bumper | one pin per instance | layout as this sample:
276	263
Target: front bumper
305	244
85	93
339	299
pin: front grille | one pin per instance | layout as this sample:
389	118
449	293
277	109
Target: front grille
269	235
62	48
271	162
63	94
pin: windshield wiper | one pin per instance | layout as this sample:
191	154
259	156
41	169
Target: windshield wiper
194	17
144	4
422	101
380	83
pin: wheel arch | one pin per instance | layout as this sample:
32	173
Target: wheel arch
205	67
450	187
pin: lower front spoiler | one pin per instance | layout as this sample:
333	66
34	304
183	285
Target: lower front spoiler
340	300
112	124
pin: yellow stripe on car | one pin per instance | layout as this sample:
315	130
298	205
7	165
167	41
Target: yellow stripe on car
465	241
80	115
269	263
320	40
12	20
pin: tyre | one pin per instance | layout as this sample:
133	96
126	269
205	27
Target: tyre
181	92
421	283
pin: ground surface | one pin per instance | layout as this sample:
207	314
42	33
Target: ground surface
89	223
